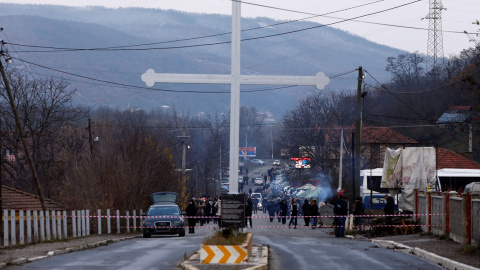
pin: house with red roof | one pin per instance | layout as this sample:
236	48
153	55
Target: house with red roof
375	141
455	171
14	199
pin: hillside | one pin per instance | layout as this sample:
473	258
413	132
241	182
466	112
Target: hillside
307	52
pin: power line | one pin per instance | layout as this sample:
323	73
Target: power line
384	88
421	116
217	43
201	37
165	90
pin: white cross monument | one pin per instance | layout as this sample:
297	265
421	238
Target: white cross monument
235	80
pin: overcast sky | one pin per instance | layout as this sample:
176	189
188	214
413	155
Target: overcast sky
458	16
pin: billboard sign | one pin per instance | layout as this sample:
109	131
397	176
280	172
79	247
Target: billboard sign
302	163
247	151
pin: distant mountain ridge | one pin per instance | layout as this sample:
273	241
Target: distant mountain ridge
180	50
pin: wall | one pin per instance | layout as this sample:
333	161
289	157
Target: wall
437	217
456	217
475	221
422	209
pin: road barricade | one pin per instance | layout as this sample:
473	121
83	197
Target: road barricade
227	254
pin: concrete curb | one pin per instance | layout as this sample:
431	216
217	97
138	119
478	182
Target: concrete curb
186	264
445	262
63	251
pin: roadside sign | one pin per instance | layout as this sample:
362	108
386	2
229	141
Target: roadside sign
233	210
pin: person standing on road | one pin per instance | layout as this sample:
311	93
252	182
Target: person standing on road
248	212
314	212
208	210
214	210
255	204
250	192
341	211
200	212
277	210
294	213
264	204
191	211
389	210
357	211
283	211
306	212
271	209
218	213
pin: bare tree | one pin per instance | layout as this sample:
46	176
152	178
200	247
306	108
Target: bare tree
45	107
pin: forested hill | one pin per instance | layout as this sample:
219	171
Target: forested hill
181	43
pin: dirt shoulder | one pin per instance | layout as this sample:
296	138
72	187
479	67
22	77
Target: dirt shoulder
442	247
20	254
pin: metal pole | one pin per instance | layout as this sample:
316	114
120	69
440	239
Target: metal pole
271	137
341	163
235	97
358	130
196	179
1	178
90	139
353	163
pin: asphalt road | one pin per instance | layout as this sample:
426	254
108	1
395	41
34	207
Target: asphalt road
301	248
306	248
157	252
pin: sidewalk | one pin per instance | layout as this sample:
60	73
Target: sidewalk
30	253
446	253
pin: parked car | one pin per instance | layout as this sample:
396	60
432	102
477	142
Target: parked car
240	179
378	202
164	216
225	187
258	161
258	181
259	197
224	180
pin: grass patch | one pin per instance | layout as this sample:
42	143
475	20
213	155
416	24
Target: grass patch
472	250
425	234
445	237
54	241
235	238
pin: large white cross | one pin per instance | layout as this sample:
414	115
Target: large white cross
235	80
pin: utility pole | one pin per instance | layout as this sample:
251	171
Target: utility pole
1	173
358	132
341	162
184	138
196	178
435	37
90	139
22	137
271	138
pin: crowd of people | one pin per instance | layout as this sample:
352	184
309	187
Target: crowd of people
209	209
281	205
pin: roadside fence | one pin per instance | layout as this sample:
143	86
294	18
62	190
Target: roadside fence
458	213
26	227
440	213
